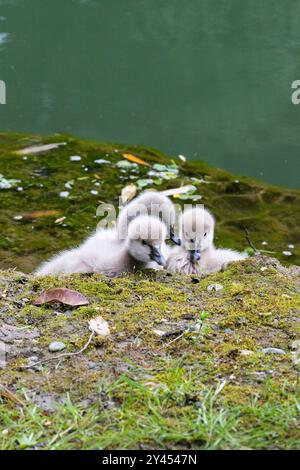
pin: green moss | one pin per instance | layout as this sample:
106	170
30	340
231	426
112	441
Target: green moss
271	214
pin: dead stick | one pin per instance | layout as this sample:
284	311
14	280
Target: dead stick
251	244
8	394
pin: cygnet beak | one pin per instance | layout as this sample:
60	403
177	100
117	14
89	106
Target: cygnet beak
194	255
157	256
174	239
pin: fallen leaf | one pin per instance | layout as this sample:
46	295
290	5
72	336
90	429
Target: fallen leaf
63	295
144	182
40	214
99	326
39	148
128	193
182	190
60	220
135	159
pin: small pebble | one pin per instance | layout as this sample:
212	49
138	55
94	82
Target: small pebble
287	253
18	217
64	194
264	243
75	158
273	351
94	192
214	287
291	246
19	188
32	359
56	346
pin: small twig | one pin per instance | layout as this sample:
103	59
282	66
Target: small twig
63	355
8	394
251	244
173	341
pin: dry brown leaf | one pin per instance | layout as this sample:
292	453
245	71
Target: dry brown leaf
128	193
99	326
181	190
135	159
40	214
39	148
63	295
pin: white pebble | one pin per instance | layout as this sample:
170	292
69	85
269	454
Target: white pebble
19	188
287	253
75	158
64	194
264	243
291	246
18	217
100	161
94	192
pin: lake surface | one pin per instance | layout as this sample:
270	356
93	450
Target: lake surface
209	79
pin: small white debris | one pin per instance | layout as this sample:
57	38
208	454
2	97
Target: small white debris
18	217
246	352
214	287
99	326
75	158
291	246
159	333
264	243
94	192
287	253
182	158
64	194
25	158
101	161
19	188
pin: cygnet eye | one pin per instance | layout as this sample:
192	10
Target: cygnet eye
192	240
205	234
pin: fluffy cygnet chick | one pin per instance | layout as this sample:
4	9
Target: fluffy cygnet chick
197	254
150	203
144	243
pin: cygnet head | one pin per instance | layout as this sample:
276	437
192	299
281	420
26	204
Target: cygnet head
146	235
150	203
197	232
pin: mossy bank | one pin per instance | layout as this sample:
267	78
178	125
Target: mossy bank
191	362
185	366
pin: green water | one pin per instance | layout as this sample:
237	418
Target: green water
210	79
